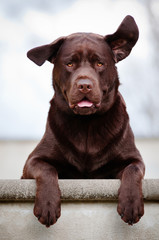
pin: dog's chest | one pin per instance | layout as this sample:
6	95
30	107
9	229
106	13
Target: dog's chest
88	152
87	137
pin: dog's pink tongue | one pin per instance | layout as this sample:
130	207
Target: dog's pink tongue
85	103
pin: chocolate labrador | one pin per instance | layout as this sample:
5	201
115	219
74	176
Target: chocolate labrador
87	132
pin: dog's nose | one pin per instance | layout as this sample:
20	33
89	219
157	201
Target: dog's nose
84	85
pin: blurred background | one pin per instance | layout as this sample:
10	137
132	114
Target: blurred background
26	89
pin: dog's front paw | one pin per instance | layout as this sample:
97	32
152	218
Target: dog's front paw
47	209
130	206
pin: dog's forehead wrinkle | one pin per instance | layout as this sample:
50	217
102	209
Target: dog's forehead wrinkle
84	40
85	48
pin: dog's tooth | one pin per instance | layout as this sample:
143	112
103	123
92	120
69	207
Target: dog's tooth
71	105
98	105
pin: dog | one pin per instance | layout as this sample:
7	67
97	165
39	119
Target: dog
87	135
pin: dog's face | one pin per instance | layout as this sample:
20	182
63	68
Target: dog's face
85	72
84	75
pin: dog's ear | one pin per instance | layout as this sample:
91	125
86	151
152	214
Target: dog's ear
46	52
123	40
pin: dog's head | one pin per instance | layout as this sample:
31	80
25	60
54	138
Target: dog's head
84	76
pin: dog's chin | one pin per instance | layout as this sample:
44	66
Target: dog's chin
84	110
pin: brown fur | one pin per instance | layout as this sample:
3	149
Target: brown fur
87	133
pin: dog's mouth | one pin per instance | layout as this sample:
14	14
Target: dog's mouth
85	103
84	106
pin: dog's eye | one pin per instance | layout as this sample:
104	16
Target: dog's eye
99	64
70	64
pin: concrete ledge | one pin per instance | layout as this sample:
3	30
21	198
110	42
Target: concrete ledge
72	190
88	212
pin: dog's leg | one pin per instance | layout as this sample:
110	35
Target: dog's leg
47	201
130	199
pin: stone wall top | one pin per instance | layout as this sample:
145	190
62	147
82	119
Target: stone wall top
75	190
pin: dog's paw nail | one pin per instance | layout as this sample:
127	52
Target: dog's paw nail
140	216
122	215
130	223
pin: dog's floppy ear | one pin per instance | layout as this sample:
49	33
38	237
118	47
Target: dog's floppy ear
46	52
123	40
